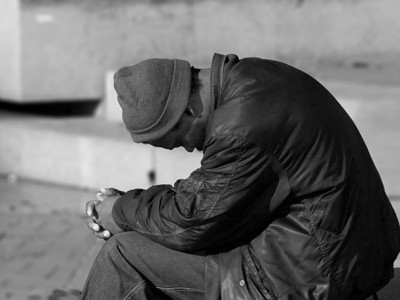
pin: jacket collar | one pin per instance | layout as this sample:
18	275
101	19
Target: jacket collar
220	67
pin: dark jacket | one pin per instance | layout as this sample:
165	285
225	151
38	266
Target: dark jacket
287	203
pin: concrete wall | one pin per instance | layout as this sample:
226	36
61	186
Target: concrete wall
10	49
300	28
67	45
86	153
58	59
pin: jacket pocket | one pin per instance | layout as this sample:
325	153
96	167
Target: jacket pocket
256	274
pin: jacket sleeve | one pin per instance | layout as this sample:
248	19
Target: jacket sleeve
223	204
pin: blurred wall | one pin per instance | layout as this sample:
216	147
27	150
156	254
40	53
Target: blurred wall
10	50
61	49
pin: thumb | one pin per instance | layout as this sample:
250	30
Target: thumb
90	207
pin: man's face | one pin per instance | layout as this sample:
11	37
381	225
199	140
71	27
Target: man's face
189	133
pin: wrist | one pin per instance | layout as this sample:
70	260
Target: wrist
117	215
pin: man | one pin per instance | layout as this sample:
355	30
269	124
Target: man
287	203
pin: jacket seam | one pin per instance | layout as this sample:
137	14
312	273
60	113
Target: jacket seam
240	139
321	245
137	288
180	288
196	187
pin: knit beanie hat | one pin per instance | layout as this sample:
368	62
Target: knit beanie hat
153	95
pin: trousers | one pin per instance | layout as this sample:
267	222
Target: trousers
130	266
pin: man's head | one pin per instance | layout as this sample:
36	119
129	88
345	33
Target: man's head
161	103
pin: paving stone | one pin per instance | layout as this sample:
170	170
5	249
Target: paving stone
43	248
54	251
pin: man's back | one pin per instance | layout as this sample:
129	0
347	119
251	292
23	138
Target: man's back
330	214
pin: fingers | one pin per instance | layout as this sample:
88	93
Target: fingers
91	213
110	191
103	193
93	226
97	230
90	207
100	196
104	235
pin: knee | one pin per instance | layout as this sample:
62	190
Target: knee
109	246
114	241
107	251
119	245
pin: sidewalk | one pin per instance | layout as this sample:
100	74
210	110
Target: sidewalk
44	243
45	246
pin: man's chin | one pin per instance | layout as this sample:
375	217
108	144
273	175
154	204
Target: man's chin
189	149
192	148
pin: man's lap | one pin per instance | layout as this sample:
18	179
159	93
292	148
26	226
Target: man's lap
132	259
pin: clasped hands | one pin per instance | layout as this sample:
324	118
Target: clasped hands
99	213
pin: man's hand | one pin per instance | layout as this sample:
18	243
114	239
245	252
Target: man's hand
105	192
98	212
